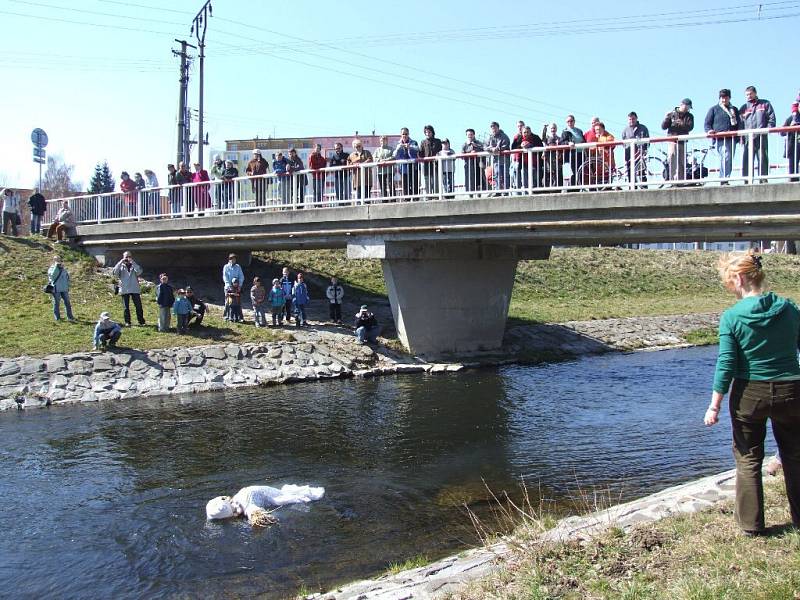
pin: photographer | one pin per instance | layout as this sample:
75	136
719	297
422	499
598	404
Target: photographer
367	328
198	308
127	271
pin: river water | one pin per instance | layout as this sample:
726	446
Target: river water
107	500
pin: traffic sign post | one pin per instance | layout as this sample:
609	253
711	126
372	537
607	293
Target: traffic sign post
39	139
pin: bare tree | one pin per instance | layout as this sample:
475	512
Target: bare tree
57	180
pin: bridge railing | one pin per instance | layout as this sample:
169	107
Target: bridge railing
639	164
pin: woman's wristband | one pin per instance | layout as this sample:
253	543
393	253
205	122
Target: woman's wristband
713	408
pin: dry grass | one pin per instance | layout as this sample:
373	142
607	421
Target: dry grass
691	557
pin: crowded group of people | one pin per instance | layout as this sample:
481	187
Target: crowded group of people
286	301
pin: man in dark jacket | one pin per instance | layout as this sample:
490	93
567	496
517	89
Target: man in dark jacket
756	114
723	117
38	205
341	177
636	131
678	122
366	325
430	148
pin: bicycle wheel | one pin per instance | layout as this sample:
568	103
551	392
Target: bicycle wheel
657	172
588	175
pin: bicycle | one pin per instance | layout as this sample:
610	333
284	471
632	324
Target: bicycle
650	173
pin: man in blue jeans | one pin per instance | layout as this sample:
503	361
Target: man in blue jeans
366	325
58	277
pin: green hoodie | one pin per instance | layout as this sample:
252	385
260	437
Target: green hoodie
758	340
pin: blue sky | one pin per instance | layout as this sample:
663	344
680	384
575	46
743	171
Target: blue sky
100	78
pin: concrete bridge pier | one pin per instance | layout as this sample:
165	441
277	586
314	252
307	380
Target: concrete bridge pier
448	297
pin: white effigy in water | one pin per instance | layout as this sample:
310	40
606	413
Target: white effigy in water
253	501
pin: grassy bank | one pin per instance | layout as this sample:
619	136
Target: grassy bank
587	283
575	284
693	557
26	317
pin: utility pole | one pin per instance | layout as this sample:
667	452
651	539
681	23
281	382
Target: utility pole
199	26
183	110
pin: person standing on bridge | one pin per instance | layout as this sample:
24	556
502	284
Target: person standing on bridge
183	177
128	187
791	150
757	364
216	172
756	113
128	272
298	180
362	176
570	136
317	162
341	176
499	145
407	151
383	156
231	270
722	118
256	167
429	149
474	179
678	121
636	160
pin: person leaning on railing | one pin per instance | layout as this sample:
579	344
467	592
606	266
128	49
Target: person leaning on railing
570	136
227	194
298	179
602	156
636	131
258	166
757	363
360	156
756	113
474	178
383	154
721	118
317	162
791	150
553	159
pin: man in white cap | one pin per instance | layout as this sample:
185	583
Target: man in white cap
367	328
258	166
106	332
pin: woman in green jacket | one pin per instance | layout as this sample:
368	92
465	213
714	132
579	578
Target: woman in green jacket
758	342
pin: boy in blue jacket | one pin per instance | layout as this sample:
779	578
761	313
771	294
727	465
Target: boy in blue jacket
182	308
300	299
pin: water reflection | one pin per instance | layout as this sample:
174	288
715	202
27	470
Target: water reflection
124	484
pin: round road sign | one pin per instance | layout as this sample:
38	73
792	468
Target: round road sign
39	137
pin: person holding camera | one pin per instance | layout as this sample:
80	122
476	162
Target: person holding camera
127	271
11	212
678	121
366	326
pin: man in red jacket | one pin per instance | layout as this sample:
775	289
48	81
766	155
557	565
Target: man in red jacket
316	162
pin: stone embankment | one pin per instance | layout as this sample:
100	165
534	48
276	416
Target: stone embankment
443	578
316	354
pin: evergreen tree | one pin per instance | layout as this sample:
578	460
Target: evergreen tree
102	181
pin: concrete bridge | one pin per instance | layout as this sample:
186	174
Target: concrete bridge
449	265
